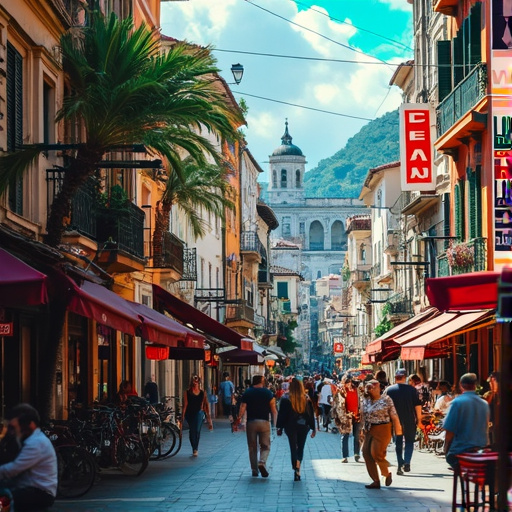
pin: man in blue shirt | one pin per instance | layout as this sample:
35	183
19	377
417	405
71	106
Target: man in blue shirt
467	421
32	475
226	390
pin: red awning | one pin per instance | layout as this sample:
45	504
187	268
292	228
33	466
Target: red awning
161	329
190	316
106	307
430	343
476	290
20	284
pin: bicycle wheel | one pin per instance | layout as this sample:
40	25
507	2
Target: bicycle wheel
76	470
177	446
168	440
131	456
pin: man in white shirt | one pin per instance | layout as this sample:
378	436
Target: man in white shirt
325	401
32	476
443	401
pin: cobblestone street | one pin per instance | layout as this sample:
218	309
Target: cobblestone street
220	480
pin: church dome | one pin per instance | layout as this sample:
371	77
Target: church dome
287	148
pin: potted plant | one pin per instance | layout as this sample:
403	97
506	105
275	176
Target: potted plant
461	257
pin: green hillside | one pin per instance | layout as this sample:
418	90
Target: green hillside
342	174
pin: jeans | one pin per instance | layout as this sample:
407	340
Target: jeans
195	422
356	429
227	407
401	456
297	439
326	409
29	499
258	432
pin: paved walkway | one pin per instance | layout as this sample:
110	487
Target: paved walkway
220	480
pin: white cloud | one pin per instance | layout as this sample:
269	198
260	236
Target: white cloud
399	5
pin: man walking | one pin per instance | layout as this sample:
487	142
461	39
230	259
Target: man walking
259	403
408	408
227	389
467	421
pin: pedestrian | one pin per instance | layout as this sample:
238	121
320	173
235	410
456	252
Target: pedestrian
297	418
408	406
151	391
213	399
443	400
347	416
259	403
421	388
493	399
379	414
325	402
195	408
467	421
32	476
382	377
227	391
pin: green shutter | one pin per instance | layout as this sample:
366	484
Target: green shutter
472	193
458	58
282	290
446	218
444	70
465	45
478	201
475	41
458	210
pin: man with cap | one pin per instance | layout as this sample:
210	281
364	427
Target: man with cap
408	408
467	421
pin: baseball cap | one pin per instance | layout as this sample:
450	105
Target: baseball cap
401	372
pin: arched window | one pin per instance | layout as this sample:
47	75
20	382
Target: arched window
362	254
316	236
274	179
284	178
338	241
297	178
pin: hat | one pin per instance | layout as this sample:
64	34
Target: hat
469	378
401	372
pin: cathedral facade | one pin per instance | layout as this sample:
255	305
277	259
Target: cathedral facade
314	226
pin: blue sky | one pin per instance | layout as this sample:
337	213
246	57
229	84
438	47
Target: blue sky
356	89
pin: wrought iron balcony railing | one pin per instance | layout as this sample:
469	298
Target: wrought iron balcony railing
479	247
189	264
240	311
462	99
251	243
169	254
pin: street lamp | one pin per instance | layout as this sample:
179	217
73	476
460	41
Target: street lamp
238	72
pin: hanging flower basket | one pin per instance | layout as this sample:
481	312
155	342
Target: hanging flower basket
461	256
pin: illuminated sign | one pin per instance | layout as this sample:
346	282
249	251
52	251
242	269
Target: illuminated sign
6	329
338	348
416	143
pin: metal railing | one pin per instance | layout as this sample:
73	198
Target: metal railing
479	246
400	304
240	311
462	99
250	242
125	229
172	253
189	264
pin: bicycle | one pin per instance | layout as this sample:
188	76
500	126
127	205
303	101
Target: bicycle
170	433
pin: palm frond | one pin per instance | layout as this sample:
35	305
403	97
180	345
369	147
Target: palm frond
14	165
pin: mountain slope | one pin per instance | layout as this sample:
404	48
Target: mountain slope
342	174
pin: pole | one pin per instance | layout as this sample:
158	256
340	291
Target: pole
3	377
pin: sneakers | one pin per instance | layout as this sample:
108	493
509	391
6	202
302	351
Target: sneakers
344	461
357	457
407	468
399	471
263	469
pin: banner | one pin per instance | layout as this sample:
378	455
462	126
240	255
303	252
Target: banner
417	123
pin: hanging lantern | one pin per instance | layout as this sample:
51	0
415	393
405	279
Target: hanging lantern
270	363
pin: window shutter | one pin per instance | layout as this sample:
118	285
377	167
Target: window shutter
471	202
446	218
465	45
282	290
444	61
475	28
14	92
478	201
458	210
458	58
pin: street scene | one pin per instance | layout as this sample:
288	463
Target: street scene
219	479
255	255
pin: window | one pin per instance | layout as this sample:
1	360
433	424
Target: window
284	178
302	228
14	91
297	178
282	290
316	236
48	113
362	254
286	226
274	179
337	236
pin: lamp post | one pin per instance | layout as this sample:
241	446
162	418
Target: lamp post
238	72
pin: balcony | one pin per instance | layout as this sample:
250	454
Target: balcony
400	306
462	99
120	235
239	312
265	279
361	276
189	264
479	249
251	247
359	223
169	254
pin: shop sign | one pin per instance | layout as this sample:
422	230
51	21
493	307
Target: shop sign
416	147
6	329
338	348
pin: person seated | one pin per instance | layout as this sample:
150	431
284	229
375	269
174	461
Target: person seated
32	476
125	391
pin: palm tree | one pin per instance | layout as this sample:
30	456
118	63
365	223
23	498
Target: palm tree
125	91
198	189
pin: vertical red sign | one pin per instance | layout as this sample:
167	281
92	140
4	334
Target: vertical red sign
416	147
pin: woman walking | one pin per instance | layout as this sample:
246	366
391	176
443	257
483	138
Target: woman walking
297	418
195	407
378	415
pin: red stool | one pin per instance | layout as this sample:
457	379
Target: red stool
477	470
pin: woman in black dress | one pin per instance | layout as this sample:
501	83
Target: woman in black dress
195	407
297	418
